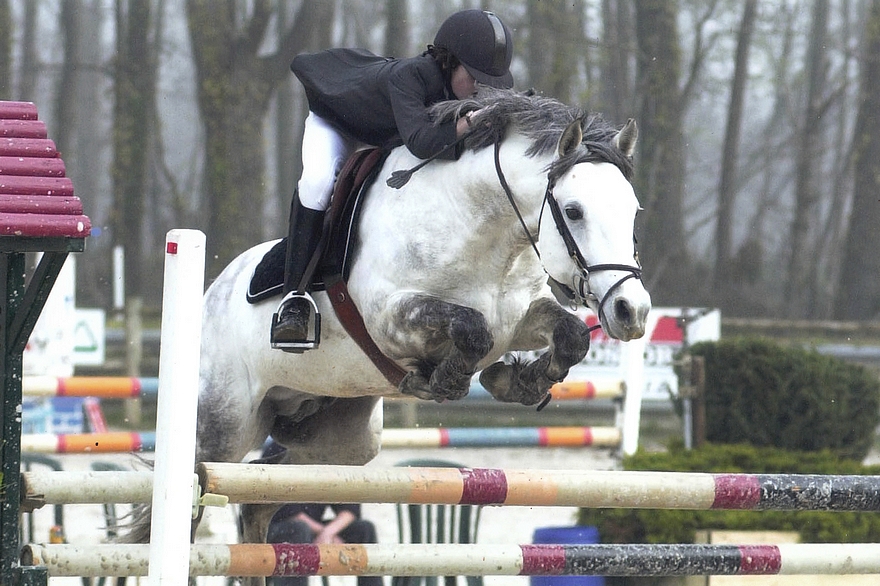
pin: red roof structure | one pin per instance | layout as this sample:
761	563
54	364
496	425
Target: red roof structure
36	197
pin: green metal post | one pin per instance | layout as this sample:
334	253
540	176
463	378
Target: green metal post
20	305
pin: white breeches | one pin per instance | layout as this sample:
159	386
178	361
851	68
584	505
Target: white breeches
324	151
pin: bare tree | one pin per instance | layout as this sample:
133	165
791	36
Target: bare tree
617	92
30	68
235	81
859	294
800	291
134	112
69	21
553	31
660	172
727	187
396	29
5	50
77	121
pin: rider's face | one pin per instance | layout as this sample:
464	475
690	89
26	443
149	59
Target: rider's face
463	84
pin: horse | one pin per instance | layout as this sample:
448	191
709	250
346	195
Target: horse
458	271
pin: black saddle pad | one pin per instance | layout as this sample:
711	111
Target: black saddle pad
340	230
268	278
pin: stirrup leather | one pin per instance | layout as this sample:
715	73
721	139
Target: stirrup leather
313	326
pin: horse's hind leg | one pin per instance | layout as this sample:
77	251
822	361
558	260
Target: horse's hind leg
546	324
453	340
342	431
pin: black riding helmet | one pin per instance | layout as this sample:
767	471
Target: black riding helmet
482	43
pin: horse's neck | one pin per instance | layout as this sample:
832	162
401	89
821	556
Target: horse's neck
517	183
501	218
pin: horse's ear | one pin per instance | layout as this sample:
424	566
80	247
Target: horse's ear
571	138
627	137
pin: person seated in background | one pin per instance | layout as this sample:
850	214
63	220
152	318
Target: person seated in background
305	523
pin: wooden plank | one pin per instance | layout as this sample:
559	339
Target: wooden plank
18	110
32	166
41	204
23	128
27	147
15	185
11	244
25	225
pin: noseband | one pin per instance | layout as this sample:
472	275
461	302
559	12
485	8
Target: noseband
579	293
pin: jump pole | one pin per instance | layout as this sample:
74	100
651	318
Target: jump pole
104	387
263	483
111	442
488	437
276	483
177	403
287	559
126	387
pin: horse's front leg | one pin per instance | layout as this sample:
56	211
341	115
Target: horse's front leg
546	323
448	340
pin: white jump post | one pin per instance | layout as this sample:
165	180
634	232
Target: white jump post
632	362
177	407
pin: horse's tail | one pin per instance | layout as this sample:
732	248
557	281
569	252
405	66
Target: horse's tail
136	528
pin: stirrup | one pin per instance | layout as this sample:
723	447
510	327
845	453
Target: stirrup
313	327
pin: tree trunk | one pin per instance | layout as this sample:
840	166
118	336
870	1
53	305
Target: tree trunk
551	35
617	51
65	107
800	288
396	29
29	62
660	165
5	51
234	84
859	291
288	158
77	123
728	187
133	116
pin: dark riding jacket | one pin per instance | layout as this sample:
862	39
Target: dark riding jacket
376	100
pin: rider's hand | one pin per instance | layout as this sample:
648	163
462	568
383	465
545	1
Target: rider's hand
469	119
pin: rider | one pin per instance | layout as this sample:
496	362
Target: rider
358	99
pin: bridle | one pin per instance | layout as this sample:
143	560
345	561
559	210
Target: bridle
579	293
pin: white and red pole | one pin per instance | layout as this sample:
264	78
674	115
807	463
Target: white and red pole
177	407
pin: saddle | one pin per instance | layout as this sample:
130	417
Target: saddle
338	248
340	230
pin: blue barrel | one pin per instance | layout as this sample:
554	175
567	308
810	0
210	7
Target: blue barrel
575	535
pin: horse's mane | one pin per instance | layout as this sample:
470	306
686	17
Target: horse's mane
542	120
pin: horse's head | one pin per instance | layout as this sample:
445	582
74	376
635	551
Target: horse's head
585	235
586	239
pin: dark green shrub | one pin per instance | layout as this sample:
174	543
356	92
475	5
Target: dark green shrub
764	394
664	526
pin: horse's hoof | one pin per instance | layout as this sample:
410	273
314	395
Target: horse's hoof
441	394
533	396
415	385
499	379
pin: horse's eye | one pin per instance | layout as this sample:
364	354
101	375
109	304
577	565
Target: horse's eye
574	213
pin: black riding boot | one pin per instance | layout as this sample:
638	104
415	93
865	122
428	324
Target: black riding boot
290	326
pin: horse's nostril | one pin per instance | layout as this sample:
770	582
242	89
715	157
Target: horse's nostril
623	311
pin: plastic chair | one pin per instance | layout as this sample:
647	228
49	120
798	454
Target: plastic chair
110	517
427	523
